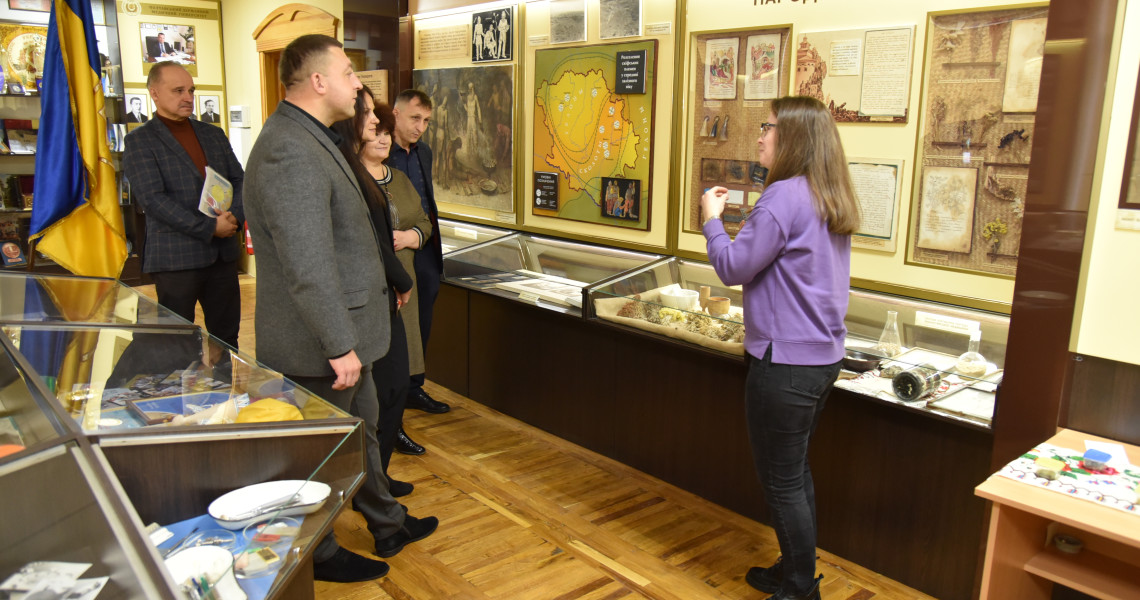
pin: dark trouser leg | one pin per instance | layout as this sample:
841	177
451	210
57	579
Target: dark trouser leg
220	296
428	281
782	406
178	291
384	515
391	377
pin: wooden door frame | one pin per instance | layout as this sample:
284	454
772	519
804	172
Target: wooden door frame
281	26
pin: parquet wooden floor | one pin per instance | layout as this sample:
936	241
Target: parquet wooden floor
525	515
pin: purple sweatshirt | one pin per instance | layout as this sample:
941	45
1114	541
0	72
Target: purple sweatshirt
796	276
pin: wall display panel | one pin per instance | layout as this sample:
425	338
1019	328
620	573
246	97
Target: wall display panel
593	128
471	134
734	77
982	73
862	75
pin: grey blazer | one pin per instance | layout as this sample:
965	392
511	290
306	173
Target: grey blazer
321	288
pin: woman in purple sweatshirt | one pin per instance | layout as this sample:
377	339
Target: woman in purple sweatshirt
793	257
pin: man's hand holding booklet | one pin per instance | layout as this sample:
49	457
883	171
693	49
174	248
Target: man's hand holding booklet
217	194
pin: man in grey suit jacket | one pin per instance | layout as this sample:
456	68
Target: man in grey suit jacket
190	256
322	307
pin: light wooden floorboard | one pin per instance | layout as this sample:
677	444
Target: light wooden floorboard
526	515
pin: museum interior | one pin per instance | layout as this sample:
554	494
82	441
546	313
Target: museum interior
594	360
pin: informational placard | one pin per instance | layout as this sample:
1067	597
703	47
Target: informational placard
546	190
442	42
862	75
631	72
876	183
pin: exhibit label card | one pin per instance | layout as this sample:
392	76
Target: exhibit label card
546	190
631	72
886	73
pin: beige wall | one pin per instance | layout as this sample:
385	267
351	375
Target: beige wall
1107	319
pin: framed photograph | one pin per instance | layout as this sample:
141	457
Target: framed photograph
567	21
619	18
165	42
622	198
492	33
32	5
137	108
209	110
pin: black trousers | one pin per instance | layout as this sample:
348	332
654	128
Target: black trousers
427	279
390	375
215	287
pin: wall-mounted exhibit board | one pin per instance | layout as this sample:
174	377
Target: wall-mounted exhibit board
862	50
188	32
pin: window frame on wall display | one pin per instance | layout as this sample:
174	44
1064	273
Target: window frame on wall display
965	125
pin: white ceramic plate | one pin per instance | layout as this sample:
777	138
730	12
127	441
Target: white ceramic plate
243	506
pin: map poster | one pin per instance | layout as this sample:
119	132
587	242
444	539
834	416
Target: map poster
585	131
946	208
470	134
763	79
720	68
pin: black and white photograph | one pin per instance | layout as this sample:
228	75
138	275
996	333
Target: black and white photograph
208	111
138	109
619	18
491	34
567	21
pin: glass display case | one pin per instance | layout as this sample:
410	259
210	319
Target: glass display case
678	298
457	235
944	359
547	272
118	418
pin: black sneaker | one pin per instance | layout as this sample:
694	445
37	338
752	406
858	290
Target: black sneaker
413	530
349	567
767	579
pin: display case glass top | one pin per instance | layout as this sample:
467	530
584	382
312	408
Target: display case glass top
52	298
548	272
457	235
938	358
26	420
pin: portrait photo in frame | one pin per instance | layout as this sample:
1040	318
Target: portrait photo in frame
166	42
209	110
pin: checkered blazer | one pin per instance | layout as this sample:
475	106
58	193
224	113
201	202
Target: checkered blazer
167	185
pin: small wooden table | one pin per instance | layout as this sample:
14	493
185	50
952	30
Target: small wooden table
1021	560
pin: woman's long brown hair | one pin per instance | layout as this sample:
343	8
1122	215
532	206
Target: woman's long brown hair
808	144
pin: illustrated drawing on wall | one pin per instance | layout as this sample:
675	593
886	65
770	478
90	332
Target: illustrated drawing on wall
491	35
588	133
471	134
861	75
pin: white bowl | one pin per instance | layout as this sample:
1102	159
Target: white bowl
253	503
680	298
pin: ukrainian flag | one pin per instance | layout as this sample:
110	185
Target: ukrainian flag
75	214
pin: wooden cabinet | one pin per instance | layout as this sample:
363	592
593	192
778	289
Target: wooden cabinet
1021	560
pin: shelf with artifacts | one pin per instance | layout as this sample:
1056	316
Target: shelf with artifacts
119	414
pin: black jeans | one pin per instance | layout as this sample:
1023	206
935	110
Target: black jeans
390	374
215	287
782	406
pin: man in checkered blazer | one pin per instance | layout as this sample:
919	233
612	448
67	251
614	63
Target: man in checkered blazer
190	256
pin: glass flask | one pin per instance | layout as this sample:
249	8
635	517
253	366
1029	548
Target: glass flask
973	364
890	342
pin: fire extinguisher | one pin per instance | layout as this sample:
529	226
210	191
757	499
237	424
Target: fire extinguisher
248	241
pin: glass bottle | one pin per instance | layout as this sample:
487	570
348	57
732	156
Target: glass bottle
890	342
973	364
916	382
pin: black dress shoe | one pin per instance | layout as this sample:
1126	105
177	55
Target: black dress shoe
405	445
399	488
348	567
767	579
420	400
811	594
413	530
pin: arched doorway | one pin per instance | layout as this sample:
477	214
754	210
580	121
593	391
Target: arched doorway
281	26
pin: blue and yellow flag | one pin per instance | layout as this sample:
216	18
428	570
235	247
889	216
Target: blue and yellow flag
75	216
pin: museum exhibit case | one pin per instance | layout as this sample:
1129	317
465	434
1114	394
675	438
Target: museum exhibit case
457	235
125	431
544	271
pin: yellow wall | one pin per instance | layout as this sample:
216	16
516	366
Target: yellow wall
1107	318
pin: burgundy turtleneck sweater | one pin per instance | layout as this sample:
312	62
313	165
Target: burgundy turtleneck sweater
184	132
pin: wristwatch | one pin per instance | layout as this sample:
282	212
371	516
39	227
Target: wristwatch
706	221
